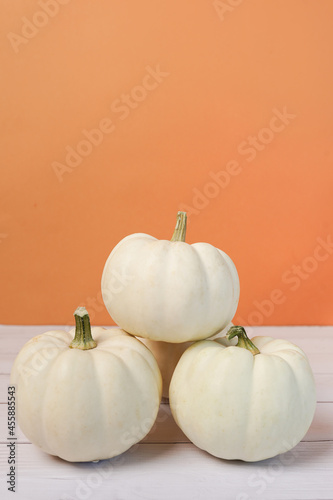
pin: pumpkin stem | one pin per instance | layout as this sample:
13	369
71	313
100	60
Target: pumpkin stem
82	339
243	339
180	230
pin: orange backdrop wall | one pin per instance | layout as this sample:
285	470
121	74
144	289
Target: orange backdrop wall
115	115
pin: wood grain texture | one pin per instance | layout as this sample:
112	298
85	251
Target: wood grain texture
165	465
176	471
165	430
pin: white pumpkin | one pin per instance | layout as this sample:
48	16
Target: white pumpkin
250	402
170	291
167	356
88	398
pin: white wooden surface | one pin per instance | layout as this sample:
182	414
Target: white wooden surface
165	465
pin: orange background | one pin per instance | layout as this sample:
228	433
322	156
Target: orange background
226	67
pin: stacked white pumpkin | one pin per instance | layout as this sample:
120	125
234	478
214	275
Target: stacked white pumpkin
170	293
246	400
87	398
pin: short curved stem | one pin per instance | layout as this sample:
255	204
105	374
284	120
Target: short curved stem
83	338
180	230
243	339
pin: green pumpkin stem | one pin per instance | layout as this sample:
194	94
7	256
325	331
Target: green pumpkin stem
82	339
180	230
243	339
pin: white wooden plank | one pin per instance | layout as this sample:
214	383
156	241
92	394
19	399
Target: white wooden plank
165	430
4	383
321	428
291	332
174	471
151	470
317	342
324	386
7	360
13	337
